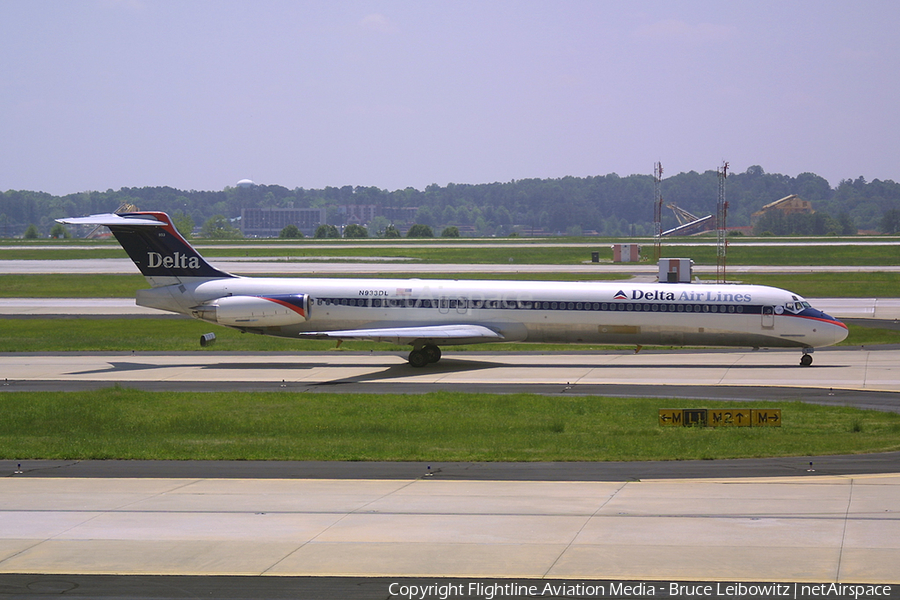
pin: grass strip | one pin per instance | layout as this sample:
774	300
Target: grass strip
71	286
119	423
124	286
180	334
523	253
829	285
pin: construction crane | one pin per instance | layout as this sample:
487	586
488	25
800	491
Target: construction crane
657	210
683	216
722	211
687	223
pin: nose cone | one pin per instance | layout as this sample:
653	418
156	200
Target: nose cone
828	330
838	330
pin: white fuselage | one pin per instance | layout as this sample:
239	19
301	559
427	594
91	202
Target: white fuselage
532	311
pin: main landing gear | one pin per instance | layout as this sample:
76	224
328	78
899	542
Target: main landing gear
806	359
425	355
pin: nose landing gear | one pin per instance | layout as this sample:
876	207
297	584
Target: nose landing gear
806	359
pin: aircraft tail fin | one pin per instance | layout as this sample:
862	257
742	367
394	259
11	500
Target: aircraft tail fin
163	256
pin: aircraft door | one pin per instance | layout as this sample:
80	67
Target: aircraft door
768	317
449	305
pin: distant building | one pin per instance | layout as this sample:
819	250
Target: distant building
362	214
789	205
268	222
357	213
245	183
403	214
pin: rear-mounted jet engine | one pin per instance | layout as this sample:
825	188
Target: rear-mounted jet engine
255	311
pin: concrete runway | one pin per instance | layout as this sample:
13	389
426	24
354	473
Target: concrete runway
837	370
807	529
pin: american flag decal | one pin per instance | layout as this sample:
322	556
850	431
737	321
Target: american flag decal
404	292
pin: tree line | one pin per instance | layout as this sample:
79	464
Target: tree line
607	204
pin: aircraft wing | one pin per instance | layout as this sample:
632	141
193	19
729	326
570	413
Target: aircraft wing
460	333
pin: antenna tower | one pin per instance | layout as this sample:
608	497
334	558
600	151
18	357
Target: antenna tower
722	211
657	209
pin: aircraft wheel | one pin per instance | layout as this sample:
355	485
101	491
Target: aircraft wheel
432	352
806	360
418	358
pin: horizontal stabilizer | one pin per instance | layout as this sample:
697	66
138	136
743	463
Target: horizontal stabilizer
113	220
406	335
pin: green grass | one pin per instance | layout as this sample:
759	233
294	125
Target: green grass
797	254
124	286
863	335
444	426
71	286
183	334
147	335
829	285
524	252
521	254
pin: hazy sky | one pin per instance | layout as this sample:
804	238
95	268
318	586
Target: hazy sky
100	94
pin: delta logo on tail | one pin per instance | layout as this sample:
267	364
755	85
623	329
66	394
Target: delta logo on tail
176	261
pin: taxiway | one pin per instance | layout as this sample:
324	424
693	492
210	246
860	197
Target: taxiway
860	370
808	528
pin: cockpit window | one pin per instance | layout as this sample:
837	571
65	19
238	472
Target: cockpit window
796	307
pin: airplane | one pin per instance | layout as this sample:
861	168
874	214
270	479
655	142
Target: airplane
427	314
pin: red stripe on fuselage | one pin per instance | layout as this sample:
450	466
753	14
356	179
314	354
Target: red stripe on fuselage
832	321
296	309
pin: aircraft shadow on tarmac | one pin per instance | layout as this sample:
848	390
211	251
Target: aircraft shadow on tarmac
445	366
394	370
121	367
450	366
403	370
